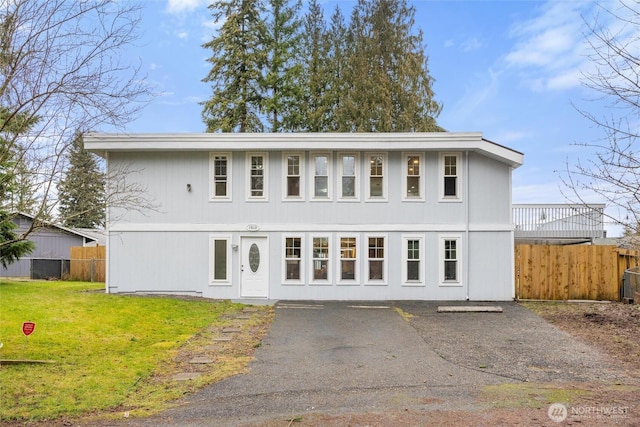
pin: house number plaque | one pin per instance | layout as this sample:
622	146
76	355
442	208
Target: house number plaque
253	227
254	257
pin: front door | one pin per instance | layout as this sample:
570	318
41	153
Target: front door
254	268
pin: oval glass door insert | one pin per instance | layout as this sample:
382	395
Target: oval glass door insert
254	257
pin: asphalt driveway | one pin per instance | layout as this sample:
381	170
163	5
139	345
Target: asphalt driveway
334	357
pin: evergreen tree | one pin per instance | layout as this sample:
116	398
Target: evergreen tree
81	193
369	76
339	83
391	89
238	59
282	81
12	245
315	70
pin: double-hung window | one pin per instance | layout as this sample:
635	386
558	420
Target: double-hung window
293	258
413	260
321	174
320	260
450	176
257	165
348	165
376	265
220	165
376	177
294	183
450	259
348	259
413	177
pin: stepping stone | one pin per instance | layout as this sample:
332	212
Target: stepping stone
250	310
231	330
186	376
470	309
201	360
210	347
243	317
223	339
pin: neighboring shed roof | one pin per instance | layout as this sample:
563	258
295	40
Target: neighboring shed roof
433	141
88	234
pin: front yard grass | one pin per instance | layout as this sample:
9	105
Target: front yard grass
109	351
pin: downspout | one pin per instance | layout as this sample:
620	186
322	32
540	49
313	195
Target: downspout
466	224
107	226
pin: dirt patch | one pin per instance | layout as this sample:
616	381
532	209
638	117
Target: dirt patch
613	328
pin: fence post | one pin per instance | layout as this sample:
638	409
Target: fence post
91	269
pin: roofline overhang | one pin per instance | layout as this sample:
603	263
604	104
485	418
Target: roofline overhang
102	143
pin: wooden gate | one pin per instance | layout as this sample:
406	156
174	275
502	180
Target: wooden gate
88	263
582	272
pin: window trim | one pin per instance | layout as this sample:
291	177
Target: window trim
385	177
457	197
212	254
285	169
265	177
356	197
356	279
385	260
328	280
441	259
285	280
405	260
421	177
212	172
312	176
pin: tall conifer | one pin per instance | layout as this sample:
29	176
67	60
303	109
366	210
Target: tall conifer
81	192
238	58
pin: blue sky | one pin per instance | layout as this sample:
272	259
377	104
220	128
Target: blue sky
510	69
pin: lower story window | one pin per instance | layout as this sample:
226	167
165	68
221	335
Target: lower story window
376	258
451	260
220	259
413	260
348	258
320	258
292	256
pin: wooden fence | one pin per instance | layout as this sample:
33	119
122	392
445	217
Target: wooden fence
571	272
88	263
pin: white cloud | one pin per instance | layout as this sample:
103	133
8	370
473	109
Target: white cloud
182	6
471	44
510	136
550	49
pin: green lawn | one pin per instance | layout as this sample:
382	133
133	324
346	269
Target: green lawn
107	349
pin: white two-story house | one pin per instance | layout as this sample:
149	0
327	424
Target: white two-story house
359	216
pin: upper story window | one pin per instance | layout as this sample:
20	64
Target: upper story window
220	176
413	165
348	176
294	183
450	181
321	170
376	174
257	166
